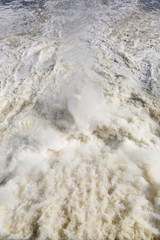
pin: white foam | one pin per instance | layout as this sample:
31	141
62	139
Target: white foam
79	137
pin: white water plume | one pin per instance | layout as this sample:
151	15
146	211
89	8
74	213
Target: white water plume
80	136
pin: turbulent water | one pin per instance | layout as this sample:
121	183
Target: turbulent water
79	120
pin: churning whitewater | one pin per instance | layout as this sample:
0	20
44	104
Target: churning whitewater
79	120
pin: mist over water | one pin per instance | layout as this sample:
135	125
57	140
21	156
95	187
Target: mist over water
80	120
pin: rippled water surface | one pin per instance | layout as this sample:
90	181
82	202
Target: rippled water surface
79	119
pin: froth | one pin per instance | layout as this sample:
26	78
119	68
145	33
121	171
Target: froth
80	131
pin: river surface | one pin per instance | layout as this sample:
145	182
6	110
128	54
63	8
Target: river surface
79	119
